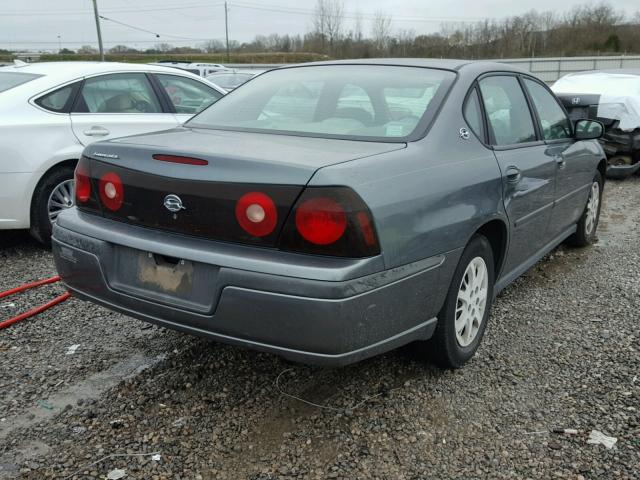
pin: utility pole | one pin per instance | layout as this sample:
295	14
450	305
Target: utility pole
95	12
59	45
226	27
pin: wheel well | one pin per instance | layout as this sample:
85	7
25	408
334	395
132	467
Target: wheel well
496	232
65	163
602	168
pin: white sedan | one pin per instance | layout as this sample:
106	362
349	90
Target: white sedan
50	111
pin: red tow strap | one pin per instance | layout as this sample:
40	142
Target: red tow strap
35	310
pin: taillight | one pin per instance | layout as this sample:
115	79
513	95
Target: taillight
321	220
330	221
111	191
83	183
257	214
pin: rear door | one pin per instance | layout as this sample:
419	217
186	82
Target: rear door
186	96
117	105
574	170
528	170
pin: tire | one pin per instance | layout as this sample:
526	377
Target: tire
588	223
41	224
451	347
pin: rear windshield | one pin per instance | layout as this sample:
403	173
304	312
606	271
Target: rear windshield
11	79
335	101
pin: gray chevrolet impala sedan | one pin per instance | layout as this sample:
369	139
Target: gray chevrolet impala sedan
328	212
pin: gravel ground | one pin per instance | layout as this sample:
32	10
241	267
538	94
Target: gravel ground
561	351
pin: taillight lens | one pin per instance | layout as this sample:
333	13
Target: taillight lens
321	220
330	221
257	214
111	191
83	183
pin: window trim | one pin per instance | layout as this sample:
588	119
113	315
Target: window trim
537	116
102	74
491	135
32	99
66	109
483	118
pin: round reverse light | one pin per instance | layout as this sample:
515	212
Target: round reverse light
111	191
257	214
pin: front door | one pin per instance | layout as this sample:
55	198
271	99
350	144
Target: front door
574	170
528	171
117	105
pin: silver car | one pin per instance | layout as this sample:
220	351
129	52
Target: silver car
329	212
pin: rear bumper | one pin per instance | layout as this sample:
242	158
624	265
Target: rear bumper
297	313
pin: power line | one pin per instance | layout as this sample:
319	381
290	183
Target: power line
246	5
21	13
157	35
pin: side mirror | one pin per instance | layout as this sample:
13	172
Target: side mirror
588	129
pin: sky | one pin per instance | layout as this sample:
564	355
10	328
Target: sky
50	24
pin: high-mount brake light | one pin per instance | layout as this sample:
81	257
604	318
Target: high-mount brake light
82	183
111	191
180	159
321	220
257	214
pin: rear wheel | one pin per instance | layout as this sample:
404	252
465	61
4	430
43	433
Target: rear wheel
54	193
463	318
588	223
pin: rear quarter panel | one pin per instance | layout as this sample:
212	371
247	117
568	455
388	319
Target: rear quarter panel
31	142
429	198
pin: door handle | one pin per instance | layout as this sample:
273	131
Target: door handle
513	174
96	132
560	161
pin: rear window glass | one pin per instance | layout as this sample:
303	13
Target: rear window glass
335	101
11	79
58	100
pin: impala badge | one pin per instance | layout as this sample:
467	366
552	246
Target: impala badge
575	100
173	203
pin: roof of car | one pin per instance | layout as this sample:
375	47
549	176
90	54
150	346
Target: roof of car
82	68
446	64
52	74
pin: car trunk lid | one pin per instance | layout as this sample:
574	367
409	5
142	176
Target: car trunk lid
202	199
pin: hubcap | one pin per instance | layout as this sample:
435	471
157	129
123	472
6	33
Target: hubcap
592	208
472	301
61	198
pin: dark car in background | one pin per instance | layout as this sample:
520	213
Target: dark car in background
613	98
330	212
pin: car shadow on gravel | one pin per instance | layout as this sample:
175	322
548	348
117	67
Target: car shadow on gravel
10	239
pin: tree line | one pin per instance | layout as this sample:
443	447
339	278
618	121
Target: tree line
583	30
